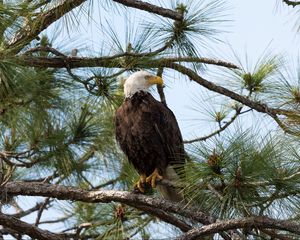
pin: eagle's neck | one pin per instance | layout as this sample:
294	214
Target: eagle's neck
139	96
136	93
130	88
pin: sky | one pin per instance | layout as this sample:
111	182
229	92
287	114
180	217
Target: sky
255	26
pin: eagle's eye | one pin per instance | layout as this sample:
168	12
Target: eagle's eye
148	76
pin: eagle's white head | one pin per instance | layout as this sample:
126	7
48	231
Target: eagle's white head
140	81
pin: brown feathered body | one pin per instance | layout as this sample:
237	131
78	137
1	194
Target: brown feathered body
148	133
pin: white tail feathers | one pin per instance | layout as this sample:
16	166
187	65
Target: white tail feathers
168	192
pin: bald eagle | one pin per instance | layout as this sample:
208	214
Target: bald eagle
149	135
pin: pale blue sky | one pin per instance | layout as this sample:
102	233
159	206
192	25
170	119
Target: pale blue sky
257	25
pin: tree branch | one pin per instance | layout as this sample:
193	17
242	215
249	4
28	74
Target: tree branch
40	212
222	128
291	3
41	22
168	13
210	61
168	218
160	89
28	229
104	196
157	206
260	107
275	235
252	222
115	61
27	212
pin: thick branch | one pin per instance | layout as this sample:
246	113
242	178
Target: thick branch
114	61
28	229
256	222
151	8
105	196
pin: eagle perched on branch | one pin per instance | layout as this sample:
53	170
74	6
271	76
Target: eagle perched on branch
149	135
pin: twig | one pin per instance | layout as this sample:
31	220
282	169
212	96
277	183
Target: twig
221	129
55	220
211	188
27	212
40	212
43	179
284	127
45	49
110	182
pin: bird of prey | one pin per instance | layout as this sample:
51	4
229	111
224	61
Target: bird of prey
149	135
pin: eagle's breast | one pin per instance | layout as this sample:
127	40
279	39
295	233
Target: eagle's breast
148	133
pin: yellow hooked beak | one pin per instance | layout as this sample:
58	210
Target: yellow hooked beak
155	80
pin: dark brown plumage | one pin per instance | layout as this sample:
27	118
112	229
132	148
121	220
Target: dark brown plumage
148	133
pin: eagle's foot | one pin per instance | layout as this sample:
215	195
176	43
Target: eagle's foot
140	184
153	177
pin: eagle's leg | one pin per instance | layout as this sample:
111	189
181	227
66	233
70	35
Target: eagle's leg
153	177
140	183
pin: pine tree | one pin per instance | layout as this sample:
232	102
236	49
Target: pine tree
57	140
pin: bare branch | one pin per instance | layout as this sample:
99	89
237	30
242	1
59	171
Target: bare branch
40	212
62	219
27	212
109	182
222	128
256	222
28	229
151	8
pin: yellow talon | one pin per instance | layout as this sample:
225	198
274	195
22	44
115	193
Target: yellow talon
140	183
153	177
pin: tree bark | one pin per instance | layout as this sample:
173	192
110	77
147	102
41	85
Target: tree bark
168	13
28	229
252	222
156	206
